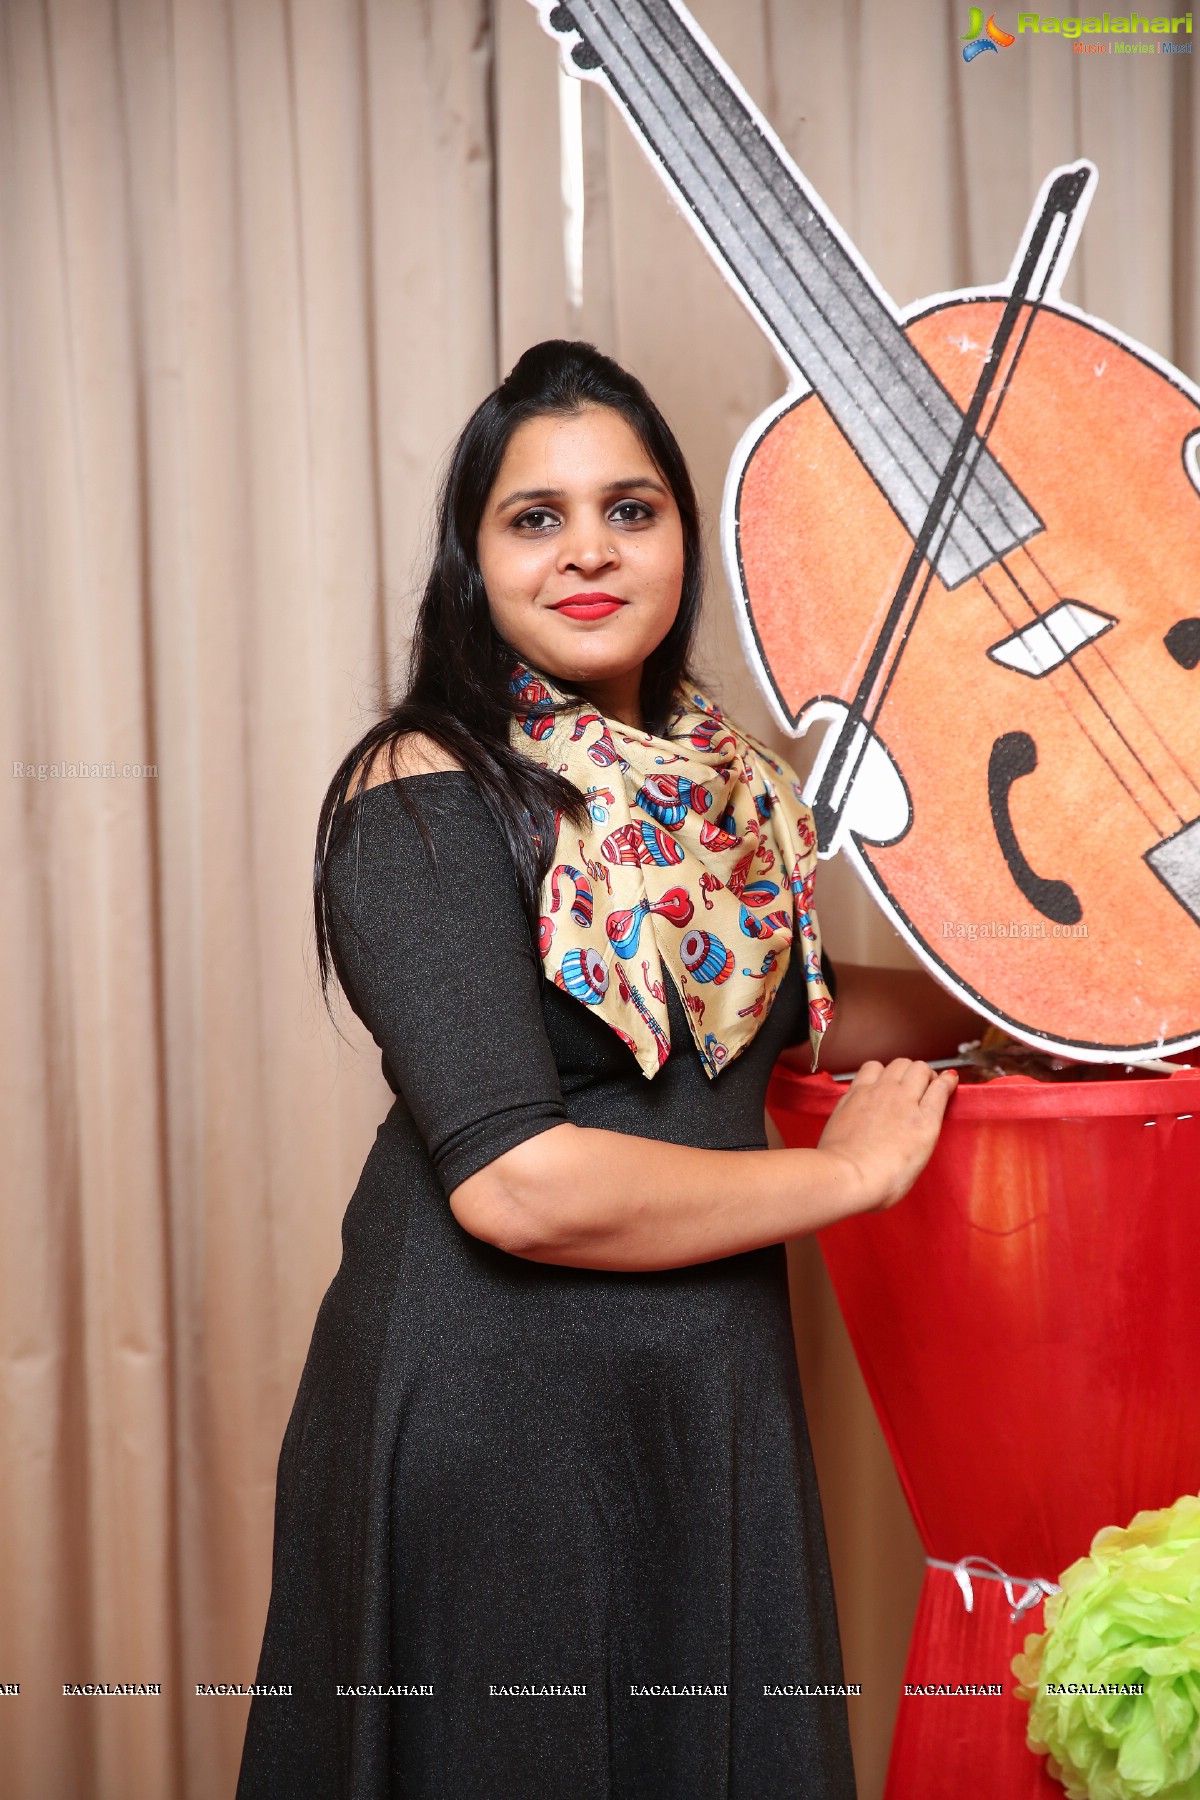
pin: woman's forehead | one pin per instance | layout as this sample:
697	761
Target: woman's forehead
595	447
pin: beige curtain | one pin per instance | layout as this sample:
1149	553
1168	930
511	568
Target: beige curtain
258	259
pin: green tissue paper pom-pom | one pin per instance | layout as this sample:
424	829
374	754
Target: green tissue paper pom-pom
1128	1615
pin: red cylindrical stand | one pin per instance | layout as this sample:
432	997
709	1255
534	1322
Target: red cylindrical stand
1027	1326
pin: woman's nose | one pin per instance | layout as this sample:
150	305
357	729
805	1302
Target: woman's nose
589	547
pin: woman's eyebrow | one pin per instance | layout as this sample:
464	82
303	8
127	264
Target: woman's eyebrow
528	495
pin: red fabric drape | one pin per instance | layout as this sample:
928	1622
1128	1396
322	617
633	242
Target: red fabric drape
1026	1322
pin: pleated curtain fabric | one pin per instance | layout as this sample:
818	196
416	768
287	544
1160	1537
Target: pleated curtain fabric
258	260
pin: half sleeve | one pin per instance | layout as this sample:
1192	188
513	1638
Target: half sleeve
432	948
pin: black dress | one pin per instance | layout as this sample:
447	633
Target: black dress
504	1475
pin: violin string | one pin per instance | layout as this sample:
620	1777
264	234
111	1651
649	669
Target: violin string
1078	720
1121	684
972	450
971	458
1038	616
1070	665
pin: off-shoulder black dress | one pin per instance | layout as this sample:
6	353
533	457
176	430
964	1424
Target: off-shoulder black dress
567	1517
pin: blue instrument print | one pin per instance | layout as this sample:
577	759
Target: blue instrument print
764	925
760	924
584	976
641	844
759	893
710	734
715	1053
705	957
768	967
582	907
538	722
669	798
802	888
624	928
599	801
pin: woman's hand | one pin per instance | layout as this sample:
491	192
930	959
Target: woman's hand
588	1198
885	1126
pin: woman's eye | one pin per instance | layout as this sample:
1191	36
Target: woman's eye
536	519
631	512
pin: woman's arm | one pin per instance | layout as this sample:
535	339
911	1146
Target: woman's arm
602	1200
434	950
884	1013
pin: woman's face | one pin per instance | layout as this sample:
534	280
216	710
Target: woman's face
581	551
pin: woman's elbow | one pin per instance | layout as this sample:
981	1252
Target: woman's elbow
511	1202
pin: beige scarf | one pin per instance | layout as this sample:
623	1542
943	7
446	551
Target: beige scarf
699	859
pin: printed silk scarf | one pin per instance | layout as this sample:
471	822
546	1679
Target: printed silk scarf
699	859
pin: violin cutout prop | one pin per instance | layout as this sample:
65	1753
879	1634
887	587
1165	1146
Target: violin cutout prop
967	541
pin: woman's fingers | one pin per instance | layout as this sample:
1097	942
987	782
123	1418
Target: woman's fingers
936	1097
868	1074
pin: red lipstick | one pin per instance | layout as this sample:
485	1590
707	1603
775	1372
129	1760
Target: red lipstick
588	606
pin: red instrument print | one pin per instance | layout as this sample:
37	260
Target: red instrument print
662	1043
967	545
759	893
820	1013
656	989
669	798
740	874
596	870
710	734
603	752
768	967
714	838
642	844
534	695
765	925
759	1007
709	884
624	927
582	905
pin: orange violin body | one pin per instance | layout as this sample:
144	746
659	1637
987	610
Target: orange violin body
968	543
1104	445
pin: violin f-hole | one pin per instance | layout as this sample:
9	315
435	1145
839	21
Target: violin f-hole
1014	755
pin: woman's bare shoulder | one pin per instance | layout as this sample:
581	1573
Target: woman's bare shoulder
415	754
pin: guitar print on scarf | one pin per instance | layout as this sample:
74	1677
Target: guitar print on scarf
966	542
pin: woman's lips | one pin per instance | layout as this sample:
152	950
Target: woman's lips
588	606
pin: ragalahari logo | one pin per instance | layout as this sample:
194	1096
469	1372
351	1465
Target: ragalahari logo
993	37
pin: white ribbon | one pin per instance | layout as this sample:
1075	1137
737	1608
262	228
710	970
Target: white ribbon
1036	1589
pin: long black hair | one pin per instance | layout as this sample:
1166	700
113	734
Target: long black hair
458	692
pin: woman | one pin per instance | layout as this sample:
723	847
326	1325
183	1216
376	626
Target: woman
546	1520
